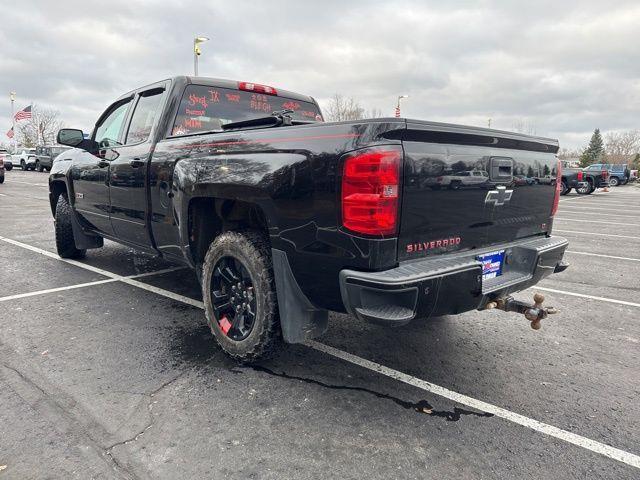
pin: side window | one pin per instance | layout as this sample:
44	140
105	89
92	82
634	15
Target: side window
144	116
108	132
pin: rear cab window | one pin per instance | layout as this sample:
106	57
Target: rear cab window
206	108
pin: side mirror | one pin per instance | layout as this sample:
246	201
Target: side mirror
71	137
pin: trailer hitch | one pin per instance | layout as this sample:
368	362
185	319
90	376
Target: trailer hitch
534	313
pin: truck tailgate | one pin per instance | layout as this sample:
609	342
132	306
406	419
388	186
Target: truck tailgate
466	188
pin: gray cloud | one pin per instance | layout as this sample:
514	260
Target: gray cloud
564	67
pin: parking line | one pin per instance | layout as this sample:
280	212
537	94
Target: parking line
598	234
578	212
604	256
603	203
573	438
591	297
597	221
595	208
88	284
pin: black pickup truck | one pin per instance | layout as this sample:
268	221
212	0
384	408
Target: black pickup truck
284	217
584	181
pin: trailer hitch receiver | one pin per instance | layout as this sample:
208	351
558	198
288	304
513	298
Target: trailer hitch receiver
534	313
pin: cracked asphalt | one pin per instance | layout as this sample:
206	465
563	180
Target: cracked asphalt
113	381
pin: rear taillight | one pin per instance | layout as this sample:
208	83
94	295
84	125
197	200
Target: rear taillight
370	189
605	174
254	87
580	176
556	198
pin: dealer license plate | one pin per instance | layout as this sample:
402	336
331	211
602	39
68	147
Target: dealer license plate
491	264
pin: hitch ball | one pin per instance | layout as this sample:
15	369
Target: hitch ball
534	313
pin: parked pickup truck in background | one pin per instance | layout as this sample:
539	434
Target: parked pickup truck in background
619	174
284	217
584	181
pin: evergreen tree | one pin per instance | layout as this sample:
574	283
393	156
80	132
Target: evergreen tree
594	153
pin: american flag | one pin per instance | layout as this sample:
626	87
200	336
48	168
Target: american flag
23	114
10	133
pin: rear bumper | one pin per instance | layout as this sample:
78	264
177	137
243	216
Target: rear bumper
447	284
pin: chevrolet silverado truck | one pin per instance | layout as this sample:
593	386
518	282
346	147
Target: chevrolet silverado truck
284	217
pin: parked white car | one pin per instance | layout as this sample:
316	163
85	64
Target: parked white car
469	178
25	157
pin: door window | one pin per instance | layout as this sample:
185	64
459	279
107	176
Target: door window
144	116
109	131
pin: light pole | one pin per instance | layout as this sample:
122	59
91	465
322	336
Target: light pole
398	106
196	52
12	96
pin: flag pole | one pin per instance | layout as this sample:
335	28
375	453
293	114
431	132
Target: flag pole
12	96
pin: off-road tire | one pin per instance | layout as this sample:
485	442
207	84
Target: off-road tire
252	250
65	244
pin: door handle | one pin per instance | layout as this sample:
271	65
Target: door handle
137	163
103	164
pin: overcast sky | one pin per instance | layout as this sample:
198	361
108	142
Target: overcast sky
563	67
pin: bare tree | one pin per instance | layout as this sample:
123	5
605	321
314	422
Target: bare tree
341	108
524	126
622	147
566	153
373	113
40	129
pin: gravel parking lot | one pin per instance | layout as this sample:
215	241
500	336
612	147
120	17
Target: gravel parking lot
108	370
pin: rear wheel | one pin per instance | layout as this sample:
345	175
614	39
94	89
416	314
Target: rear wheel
614	182
23	165
9	167
65	244
454	185
38	166
565	188
586	190
240	296
2	179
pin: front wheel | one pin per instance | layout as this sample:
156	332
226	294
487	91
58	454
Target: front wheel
9	167
2	179
38	166
65	244
23	165
614	182
239	295
565	188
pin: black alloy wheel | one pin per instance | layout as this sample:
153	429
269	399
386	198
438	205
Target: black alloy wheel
233	298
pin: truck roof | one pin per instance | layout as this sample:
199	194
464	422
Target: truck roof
222	83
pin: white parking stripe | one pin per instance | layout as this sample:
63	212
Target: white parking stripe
591	297
597	221
604	256
597	234
607	203
598	208
575	439
601	214
88	284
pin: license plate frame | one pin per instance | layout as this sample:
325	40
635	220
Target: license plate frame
492	264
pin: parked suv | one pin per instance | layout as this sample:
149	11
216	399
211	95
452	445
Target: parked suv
618	173
45	156
26	158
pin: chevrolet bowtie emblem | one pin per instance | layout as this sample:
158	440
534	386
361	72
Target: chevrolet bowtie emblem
499	196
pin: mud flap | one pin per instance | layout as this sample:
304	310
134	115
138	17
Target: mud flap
83	240
299	319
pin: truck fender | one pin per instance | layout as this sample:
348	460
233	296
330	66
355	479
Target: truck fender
299	319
